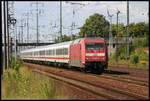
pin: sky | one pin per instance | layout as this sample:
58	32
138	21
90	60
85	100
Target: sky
49	15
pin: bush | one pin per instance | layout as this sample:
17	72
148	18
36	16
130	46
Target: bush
134	59
142	55
141	42
15	64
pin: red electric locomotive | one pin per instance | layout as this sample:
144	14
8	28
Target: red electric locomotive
89	54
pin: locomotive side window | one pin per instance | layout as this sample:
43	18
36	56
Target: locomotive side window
94	45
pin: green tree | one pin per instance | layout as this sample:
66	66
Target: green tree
114	30
121	30
96	25
132	30
141	29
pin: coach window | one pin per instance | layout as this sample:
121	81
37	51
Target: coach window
43	52
53	51
65	51
40	53
61	51
50	52
36	54
46	52
57	51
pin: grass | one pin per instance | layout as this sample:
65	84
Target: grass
127	62
25	84
138	58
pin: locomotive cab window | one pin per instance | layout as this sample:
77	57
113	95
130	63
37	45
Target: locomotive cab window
94	46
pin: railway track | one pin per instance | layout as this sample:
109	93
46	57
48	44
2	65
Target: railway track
122	79
99	90
127	80
129	71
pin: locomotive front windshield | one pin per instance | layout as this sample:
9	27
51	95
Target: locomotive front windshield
94	46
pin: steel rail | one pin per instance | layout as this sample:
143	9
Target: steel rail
128	80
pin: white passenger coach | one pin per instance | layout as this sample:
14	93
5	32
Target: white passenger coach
52	53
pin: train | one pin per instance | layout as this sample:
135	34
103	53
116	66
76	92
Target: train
88	54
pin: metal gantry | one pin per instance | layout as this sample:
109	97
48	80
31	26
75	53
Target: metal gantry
127	30
37	18
110	33
73	23
117	39
60	21
4	26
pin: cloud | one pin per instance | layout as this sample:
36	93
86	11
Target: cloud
138	12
